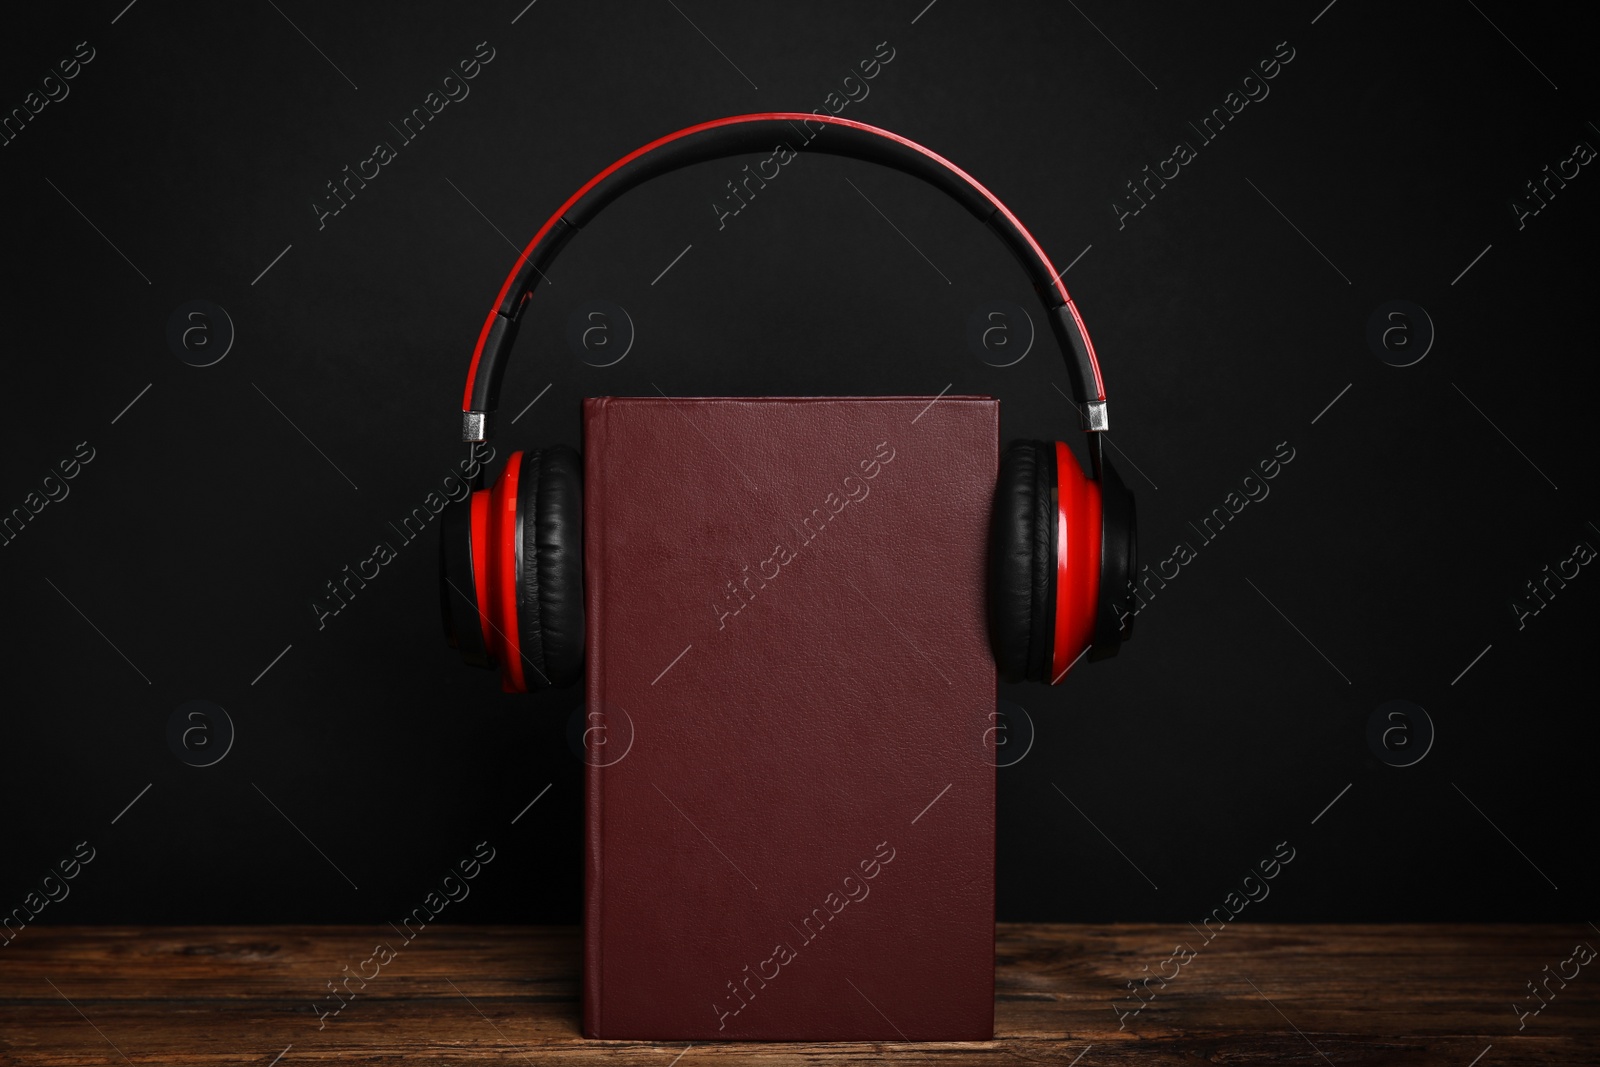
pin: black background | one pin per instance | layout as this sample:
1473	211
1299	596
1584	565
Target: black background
189	551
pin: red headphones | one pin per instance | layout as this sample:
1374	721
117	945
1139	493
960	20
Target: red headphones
1062	543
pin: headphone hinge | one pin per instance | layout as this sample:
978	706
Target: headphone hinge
1096	417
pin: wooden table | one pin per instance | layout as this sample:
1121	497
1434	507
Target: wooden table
1341	995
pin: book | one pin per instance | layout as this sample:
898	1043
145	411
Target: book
789	700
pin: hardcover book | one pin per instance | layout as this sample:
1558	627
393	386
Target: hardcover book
789	712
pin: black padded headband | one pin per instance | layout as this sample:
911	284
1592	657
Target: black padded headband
741	134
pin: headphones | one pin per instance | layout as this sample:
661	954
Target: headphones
1062	542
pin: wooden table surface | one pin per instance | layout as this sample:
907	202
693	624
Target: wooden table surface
1257	994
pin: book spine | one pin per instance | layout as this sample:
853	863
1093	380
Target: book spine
593	589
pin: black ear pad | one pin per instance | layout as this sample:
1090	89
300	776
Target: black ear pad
549	552
1022	562
1119	563
458	593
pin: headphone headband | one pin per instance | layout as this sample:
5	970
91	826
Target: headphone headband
742	134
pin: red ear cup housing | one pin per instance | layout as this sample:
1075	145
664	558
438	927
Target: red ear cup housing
511	563
1078	554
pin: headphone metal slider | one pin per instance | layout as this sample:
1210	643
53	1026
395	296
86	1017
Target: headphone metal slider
1096	419
474	426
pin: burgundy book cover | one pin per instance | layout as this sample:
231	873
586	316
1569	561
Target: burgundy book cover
789	780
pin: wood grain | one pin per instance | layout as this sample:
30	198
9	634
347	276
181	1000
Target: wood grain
1341	995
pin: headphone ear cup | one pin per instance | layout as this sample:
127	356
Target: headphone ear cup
1022	562
549	560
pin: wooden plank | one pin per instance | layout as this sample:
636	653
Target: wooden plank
1254	995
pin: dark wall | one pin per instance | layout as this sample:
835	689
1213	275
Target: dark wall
1408	508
